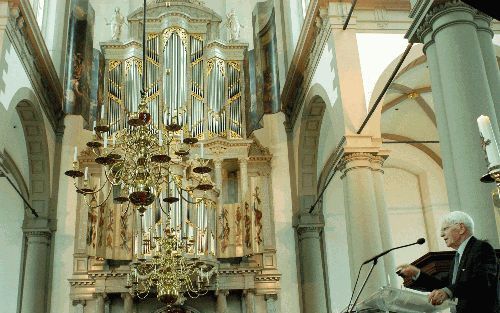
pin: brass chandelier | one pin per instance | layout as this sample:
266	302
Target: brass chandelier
150	164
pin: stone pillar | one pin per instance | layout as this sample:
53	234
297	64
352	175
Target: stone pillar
249	301
128	302
485	36
271	306
309	232
100	304
4	19
362	218
218	173
383	219
221	305
464	86
243	177
79	306
34	294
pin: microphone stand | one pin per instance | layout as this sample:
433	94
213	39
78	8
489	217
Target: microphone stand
375	260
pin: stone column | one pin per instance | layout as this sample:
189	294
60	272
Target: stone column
4	19
218	173
34	294
79	306
451	29
271	303
383	219
362	218
221	305
442	126
485	36
309	232
128	302
243	177
100	302
249	301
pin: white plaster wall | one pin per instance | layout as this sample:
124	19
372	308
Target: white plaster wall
274	137
11	240
432	188
406	217
11	128
51	31
325	74
292	21
376	52
13	78
66	216
12	75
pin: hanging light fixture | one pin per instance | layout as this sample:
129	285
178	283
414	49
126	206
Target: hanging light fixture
151	164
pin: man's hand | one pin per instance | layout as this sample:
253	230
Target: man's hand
407	270
437	296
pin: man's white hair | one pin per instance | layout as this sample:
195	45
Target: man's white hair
457	217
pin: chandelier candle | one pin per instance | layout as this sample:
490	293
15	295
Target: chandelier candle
489	142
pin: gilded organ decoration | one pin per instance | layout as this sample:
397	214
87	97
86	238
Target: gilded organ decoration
258	215
198	81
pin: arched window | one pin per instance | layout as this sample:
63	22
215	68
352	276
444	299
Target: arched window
305	4
38	9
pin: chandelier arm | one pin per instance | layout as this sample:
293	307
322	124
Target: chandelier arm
93	195
186	199
89	204
112	181
126	209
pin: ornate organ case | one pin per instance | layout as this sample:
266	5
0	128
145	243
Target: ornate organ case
199	81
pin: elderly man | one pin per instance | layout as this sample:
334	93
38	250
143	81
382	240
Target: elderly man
473	276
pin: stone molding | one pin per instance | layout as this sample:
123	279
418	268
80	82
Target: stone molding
271	296
28	42
38	234
364	160
310	231
261	280
431	12
79	302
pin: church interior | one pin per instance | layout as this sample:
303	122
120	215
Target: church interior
231	156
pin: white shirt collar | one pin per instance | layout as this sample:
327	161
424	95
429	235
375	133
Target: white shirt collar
462	246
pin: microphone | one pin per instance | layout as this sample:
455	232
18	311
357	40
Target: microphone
420	241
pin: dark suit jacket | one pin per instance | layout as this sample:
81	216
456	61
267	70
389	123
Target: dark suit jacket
476	285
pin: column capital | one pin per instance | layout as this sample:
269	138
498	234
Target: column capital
243	161
359	160
309	226
126	295
222	292
249	292
483	23
79	302
37	233
218	161
426	12
103	295
271	296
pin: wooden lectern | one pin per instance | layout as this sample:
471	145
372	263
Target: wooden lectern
436	264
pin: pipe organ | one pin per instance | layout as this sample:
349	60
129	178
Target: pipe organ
190	82
196	81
